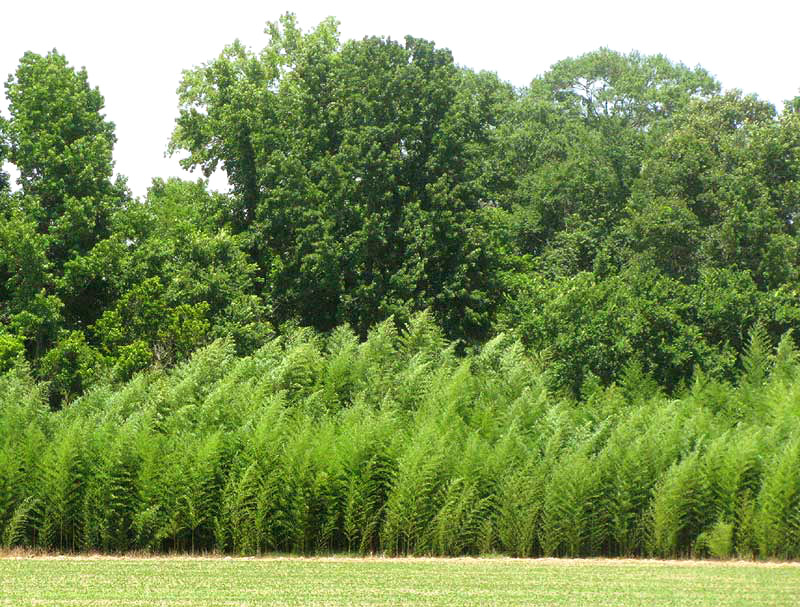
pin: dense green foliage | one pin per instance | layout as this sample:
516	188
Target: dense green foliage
356	169
619	210
398	445
621	222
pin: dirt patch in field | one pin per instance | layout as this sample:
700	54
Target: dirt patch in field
467	560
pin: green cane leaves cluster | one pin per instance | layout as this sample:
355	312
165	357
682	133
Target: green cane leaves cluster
412	450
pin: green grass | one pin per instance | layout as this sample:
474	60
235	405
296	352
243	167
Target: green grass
207	582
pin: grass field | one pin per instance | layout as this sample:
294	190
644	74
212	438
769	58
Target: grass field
206	582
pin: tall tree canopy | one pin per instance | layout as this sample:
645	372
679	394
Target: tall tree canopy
62	145
619	213
720	189
354	167
575	143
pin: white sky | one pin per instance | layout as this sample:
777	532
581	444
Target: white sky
135	51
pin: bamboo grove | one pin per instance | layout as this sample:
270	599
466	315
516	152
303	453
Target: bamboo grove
397	445
434	314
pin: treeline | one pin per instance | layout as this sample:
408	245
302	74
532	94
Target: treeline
620	210
398	445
